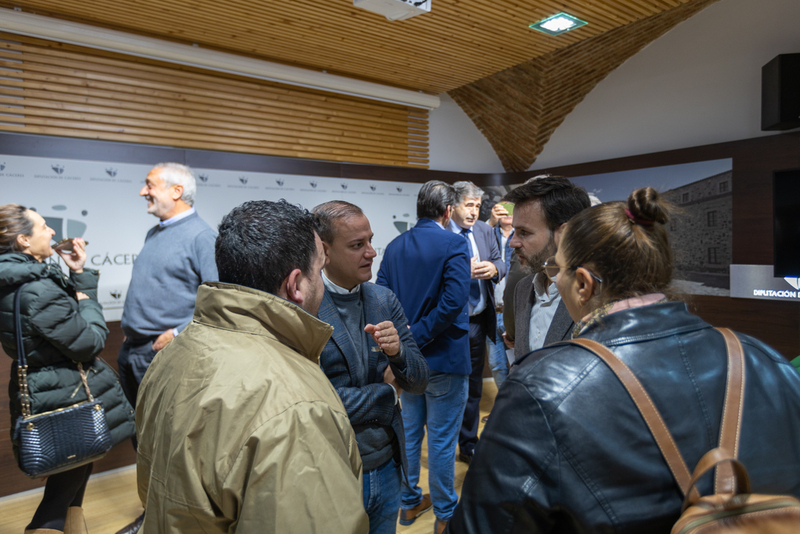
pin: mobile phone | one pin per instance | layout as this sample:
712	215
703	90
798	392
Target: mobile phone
65	245
509	206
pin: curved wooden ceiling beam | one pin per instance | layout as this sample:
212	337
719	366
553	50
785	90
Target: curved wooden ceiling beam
519	108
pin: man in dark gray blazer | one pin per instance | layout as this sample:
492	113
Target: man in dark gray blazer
486	269
542	207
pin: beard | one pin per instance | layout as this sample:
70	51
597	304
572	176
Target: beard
534	263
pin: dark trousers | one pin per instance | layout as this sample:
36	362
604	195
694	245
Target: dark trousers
133	360
468	436
62	491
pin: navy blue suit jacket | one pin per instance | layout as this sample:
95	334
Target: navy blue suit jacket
372	402
428	269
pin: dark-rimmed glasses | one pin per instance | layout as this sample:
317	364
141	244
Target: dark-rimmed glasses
551	269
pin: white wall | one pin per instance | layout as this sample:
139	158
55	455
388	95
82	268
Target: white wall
698	84
456	144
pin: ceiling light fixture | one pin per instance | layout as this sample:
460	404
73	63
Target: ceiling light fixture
558	24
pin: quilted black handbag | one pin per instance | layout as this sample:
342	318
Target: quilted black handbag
61	439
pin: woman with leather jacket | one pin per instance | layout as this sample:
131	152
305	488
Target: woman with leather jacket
566	450
62	323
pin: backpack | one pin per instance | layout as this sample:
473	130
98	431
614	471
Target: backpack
732	509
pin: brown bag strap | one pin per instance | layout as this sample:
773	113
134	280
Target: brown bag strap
718	458
651	415
732	412
725	480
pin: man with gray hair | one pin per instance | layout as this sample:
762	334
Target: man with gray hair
486	269
178	255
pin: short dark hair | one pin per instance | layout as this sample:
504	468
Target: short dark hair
327	213
261	242
560	199
433	199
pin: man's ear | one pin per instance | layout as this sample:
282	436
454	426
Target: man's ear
290	288
177	191
557	233
448	214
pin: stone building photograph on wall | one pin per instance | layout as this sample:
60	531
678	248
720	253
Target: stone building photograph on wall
701	229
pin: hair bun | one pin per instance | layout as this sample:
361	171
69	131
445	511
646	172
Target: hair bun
645	206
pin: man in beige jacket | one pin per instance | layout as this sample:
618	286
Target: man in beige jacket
239	430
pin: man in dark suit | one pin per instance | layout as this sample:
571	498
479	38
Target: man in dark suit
428	269
370	358
542	207
487	268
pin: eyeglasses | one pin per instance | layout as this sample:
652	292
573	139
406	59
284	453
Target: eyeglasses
551	269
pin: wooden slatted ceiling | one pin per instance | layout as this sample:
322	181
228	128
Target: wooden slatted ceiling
56	89
458	42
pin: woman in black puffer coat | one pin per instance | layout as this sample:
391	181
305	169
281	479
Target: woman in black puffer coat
62	323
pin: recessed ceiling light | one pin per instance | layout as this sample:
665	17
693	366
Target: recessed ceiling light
558	24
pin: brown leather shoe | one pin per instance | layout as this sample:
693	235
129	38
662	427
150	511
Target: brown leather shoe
439	526
133	528
409	516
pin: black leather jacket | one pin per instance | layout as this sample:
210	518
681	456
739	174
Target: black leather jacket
565	449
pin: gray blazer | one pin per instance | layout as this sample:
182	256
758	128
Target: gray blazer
524	299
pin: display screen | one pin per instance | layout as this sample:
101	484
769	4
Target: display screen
786	220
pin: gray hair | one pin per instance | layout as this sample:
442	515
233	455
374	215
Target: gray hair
177	174
466	190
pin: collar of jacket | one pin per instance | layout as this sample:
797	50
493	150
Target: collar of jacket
247	310
17	268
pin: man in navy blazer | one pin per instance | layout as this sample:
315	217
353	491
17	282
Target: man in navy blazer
428	269
487	268
370	358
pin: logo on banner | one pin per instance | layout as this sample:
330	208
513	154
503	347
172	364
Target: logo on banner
59	169
793	281
203	177
3	166
399	189
313	184
243	180
344	186
111	172
279	181
116	294
373	188
403	225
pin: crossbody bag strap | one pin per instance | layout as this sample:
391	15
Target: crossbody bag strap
724	479
649	412
22	363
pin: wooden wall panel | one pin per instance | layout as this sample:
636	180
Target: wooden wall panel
57	89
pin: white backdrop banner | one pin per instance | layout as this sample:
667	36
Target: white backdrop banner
100	202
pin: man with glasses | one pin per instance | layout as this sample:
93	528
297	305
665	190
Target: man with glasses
542	207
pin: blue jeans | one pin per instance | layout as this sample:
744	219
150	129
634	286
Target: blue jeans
497	355
382	497
440	409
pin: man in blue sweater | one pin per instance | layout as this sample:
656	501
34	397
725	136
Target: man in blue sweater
178	255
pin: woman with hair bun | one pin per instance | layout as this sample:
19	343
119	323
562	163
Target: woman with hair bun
566	450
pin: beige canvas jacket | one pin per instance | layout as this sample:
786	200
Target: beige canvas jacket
240	431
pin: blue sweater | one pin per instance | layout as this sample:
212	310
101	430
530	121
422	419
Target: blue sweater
174	261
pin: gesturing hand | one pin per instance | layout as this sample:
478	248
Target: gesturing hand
385	335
